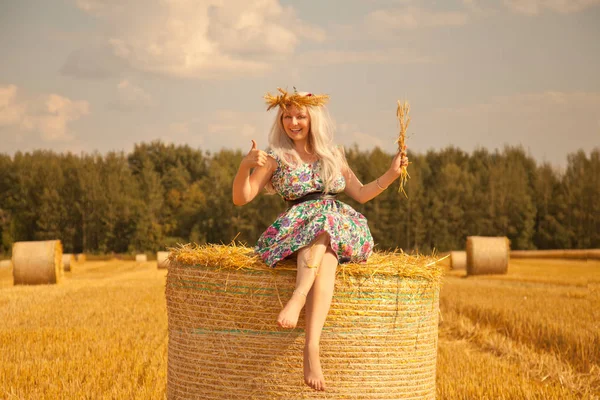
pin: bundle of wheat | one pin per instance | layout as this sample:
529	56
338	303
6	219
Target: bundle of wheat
37	262
487	255
162	259
379	341
403	120
141	258
80	258
5	264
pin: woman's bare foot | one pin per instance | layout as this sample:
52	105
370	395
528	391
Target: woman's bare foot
313	375
288	317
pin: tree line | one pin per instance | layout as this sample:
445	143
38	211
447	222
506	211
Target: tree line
161	194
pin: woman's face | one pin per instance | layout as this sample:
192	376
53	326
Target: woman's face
296	122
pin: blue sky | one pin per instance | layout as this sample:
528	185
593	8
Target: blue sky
87	75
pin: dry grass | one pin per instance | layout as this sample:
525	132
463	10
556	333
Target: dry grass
101	333
522	335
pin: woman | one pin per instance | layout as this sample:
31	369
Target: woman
307	169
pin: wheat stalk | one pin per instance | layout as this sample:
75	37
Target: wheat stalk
404	119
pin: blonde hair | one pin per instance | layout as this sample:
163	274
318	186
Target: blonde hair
320	141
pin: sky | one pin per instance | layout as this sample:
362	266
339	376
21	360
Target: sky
103	75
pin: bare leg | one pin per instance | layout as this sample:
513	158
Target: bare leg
317	308
310	255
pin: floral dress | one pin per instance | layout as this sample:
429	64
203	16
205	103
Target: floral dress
300	224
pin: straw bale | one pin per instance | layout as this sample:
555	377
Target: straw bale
487	255
458	260
37	263
379	341
141	258
68	260
80	258
5	264
583	254
162	259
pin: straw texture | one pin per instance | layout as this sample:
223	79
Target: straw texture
68	261
5	264
36	263
458	260
487	255
379	341
80	258
162	259
584	254
141	258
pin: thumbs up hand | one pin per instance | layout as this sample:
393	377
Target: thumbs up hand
255	157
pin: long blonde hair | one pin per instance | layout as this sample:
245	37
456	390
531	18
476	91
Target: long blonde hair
320	140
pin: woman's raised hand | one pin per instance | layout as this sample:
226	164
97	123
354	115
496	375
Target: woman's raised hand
255	157
399	161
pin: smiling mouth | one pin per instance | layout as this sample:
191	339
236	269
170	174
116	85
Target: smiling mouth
296	130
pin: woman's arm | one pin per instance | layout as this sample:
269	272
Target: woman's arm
363	193
245	185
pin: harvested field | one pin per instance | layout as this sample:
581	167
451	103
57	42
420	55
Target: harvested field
102	333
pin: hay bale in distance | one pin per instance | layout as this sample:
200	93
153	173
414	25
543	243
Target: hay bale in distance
68	260
5	264
379	341
36	263
162	259
80	258
487	255
141	258
458	260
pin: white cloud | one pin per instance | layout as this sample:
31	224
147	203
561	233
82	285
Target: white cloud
201	38
132	97
534	7
410	17
11	113
47	115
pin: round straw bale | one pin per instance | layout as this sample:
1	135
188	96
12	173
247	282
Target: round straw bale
80	258
68	260
379	340
37	263
141	258
162	259
487	255
5	264
458	260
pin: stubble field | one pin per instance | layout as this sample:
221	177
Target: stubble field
102	333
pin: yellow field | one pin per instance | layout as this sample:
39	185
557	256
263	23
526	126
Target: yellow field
102	333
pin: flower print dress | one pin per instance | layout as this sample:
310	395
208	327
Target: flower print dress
300	224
